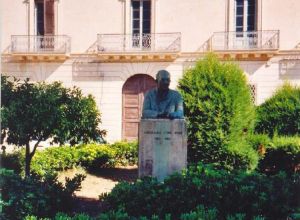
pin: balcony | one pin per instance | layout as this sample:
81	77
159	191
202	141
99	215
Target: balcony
248	44
40	47
145	47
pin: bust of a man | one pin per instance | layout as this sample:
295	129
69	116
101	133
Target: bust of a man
162	102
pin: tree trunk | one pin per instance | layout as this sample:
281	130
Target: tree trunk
27	160
29	156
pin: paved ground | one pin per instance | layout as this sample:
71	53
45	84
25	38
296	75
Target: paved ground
96	183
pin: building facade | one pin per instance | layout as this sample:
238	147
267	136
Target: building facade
113	48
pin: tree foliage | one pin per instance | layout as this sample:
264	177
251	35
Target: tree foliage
281	113
219	113
39	111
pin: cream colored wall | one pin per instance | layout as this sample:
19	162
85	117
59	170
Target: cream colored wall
13	18
268	76
195	19
83	20
284	16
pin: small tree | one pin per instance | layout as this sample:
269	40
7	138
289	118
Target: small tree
219	113
37	112
281	113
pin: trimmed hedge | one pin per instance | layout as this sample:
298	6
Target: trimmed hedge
126	152
200	213
283	154
280	153
89	156
251	195
281	113
219	113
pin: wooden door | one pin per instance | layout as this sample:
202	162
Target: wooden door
49	21
49	25
133	92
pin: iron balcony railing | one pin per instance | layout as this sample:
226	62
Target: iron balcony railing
32	44
248	40
120	43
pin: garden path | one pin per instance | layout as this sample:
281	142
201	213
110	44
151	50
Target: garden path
96	183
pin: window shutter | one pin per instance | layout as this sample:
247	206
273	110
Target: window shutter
49	17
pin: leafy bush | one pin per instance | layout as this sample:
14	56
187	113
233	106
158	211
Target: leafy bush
281	113
259	142
219	113
200	213
90	156
126	153
13	161
283	154
53	159
42	197
252	195
93	156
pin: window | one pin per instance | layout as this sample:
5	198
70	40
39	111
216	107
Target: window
141	23
245	15
136	17
40	18
141	16
239	18
44	17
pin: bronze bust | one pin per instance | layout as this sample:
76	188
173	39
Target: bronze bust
162	102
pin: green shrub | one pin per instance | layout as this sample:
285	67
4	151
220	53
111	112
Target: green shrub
90	156
37	196
253	195
219	114
53	159
259	142
281	113
126	153
13	161
93	156
283	154
200	213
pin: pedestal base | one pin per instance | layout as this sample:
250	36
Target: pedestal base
162	147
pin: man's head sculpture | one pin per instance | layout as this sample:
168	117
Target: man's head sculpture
163	102
163	80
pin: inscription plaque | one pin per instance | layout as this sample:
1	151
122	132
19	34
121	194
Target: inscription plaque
162	147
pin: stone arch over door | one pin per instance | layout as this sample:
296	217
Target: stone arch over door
133	93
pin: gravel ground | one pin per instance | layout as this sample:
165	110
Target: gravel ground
96	183
100	181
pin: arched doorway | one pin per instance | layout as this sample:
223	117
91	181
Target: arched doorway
133	95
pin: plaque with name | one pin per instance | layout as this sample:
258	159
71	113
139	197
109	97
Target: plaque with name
162	147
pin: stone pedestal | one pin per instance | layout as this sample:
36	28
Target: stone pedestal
162	147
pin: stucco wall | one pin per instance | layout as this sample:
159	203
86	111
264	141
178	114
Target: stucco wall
13	18
283	16
83	20
268	76
196	20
